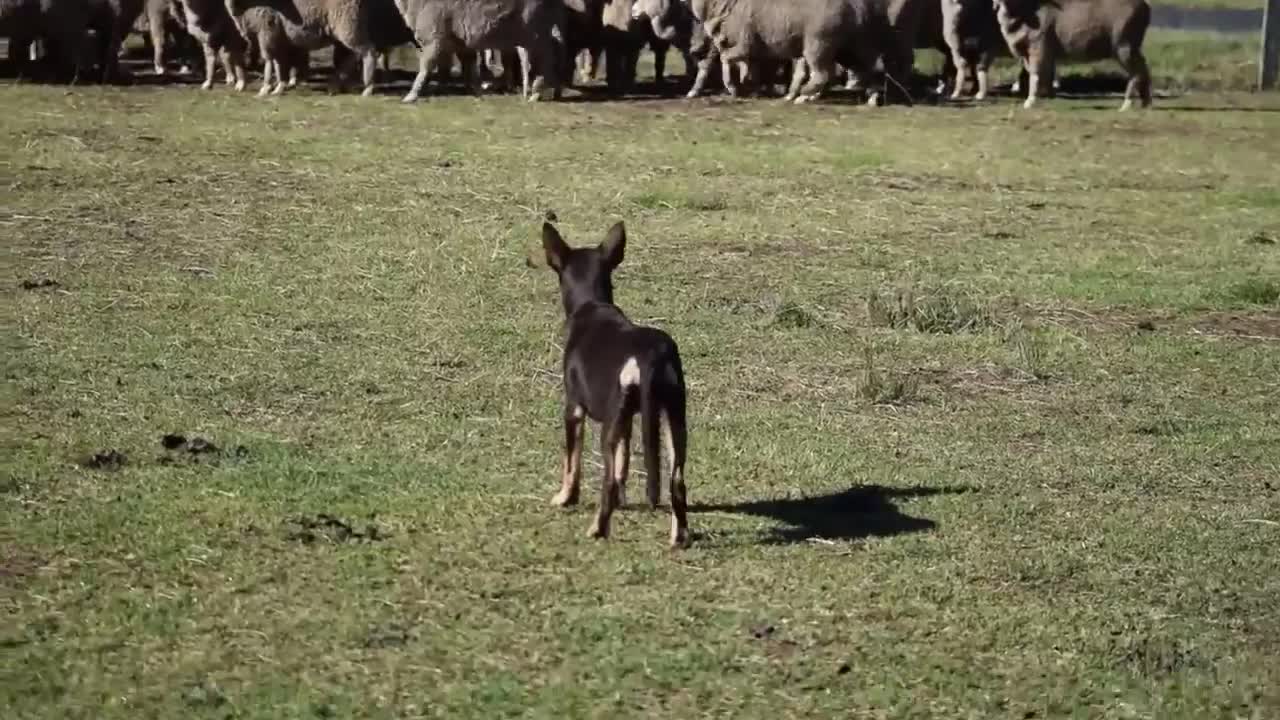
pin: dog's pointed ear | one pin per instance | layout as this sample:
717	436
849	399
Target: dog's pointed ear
554	247
615	245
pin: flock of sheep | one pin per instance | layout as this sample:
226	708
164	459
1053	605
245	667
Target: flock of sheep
809	44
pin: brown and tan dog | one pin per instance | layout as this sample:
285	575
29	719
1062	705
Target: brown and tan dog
613	369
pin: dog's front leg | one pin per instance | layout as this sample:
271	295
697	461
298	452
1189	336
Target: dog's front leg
572	474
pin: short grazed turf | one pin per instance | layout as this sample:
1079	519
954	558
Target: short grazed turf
983	409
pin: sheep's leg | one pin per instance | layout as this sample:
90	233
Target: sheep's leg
547	58
631	65
962	75
510	71
984	65
545	50
470	73
485	70
1039	67
227	70
1139	76
1144	77
593	64
280	77
699	80
268	68
948	73
370	69
819	73
584	65
237	64
727	70
157	42
426	60
210	66
299	60
798	72
113	46
526	69
344	62
897	71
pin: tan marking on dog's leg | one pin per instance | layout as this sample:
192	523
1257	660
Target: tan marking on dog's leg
676	489
622	466
571	475
679	525
665	423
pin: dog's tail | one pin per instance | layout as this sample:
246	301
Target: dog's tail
650	427
661	398
638	379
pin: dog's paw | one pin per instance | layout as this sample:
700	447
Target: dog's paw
565	498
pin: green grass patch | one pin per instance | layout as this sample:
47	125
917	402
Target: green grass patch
1180	60
673	200
879	386
1183	60
1255	292
911	497
930	310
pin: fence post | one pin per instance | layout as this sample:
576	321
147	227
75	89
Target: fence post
1269	62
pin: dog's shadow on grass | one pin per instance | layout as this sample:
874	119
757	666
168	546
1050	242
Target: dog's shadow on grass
862	511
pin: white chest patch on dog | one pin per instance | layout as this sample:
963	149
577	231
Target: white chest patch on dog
630	374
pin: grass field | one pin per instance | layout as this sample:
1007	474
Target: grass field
1181	61
983	403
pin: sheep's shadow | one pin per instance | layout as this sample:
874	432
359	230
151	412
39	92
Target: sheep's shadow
861	511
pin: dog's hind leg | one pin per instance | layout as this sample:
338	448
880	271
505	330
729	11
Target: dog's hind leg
615	447
572	475
676	437
614	441
622	464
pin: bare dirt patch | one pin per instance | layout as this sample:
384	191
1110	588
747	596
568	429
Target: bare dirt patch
39	284
1227	324
1249	326
104	460
16	565
983	380
195	449
327	528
